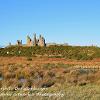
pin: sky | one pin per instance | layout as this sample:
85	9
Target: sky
76	22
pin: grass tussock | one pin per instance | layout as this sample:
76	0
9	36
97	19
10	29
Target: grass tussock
54	77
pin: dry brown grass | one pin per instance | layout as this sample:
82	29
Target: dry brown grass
36	60
40	71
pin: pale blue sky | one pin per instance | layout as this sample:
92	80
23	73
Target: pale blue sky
76	22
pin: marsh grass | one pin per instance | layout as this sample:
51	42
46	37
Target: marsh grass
75	84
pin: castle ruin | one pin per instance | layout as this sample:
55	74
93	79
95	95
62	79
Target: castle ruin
29	41
35	41
19	42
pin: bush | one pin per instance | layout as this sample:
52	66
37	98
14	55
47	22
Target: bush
82	83
9	75
51	74
29	59
47	84
49	66
29	83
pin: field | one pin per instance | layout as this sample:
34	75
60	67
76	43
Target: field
50	73
43	78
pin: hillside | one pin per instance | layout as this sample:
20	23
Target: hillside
68	52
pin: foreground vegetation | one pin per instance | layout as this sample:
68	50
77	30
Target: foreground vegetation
54	81
68	52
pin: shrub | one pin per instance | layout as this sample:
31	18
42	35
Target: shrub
47	84
9	75
29	59
0	74
51	74
20	85
49	66
0	84
82	83
29	83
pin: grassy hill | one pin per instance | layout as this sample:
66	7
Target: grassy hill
68	52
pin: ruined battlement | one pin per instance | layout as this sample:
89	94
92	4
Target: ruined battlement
32	42
36	41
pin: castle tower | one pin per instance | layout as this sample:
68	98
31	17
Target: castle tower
29	41
35	40
19	42
41	41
